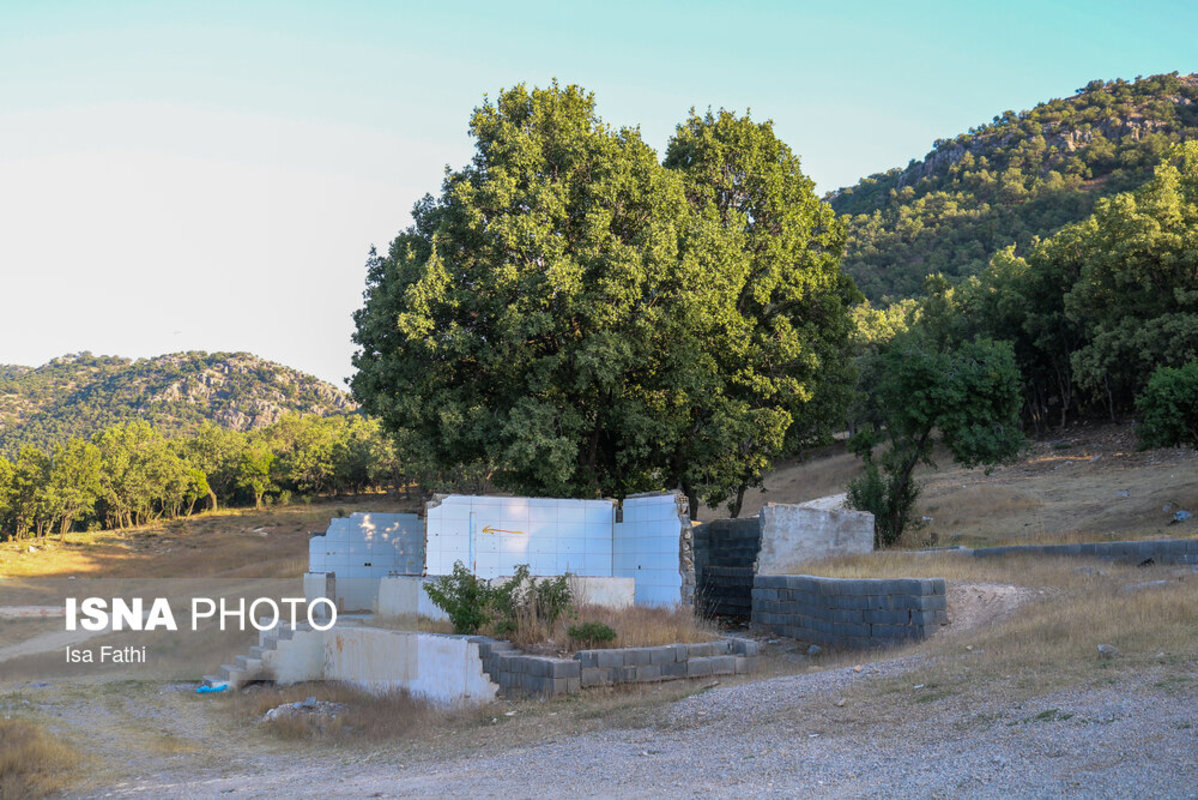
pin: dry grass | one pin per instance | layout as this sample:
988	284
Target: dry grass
229	543
32	762
366	717
640	626
1052	640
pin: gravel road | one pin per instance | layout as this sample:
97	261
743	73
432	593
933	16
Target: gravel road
791	737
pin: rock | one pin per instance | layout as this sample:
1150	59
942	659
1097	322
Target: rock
1178	516
1107	651
840	703
814	650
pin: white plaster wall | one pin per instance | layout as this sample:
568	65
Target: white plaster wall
295	660
369	545
604	592
404	595
443	669
645	547
794	535
552	536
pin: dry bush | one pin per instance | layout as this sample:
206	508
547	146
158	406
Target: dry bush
367	717
32	762
412	622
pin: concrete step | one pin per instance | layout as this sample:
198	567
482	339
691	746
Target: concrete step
256	651
213	680
228	672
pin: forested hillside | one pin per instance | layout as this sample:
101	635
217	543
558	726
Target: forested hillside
81	394
1022	176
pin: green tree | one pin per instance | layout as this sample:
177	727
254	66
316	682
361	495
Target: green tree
73	482
966	397
254	469
1169	408
786	376
577	319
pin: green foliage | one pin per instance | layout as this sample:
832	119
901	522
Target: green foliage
589	635
512	608
1008	182
464	597
1169	408
570	317
966	396
79	395
1092	310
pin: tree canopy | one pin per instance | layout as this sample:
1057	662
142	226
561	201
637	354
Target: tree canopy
573	317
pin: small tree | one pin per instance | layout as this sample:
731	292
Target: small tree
969	396
1168	407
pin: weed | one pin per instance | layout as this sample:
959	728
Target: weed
32	762
590	635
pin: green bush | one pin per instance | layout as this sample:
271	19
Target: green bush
1168	408
464	597
521	608
589	635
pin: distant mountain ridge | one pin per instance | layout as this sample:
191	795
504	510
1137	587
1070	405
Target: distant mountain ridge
1022	176
79	394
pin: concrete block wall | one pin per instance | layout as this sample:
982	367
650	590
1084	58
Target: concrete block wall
491	535
849	612
519	674
369	545
652	544
725	552
1160	551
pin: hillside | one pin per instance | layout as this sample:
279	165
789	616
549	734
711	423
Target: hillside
79	394
1021	176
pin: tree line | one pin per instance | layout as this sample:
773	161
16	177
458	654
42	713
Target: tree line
132	473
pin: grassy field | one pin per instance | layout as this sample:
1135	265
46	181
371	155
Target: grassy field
1020	627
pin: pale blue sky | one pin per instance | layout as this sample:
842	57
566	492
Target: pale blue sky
210	176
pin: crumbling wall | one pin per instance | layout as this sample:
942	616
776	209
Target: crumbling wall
795	535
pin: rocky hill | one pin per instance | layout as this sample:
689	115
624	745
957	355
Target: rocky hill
79	394
1023	175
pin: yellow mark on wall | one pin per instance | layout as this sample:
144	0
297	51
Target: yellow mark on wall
489	529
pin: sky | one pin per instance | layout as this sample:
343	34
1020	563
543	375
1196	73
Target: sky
211	176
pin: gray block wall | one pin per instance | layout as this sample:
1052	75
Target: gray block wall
849	612
1160	551
725	553
520	674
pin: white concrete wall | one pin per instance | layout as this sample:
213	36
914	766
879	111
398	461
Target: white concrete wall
603	592
443	669
795	535
491	535
369	545
401	596
645	547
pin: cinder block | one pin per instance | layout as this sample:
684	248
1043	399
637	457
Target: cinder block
564	668
637	656
610	658
842	615
723	665
573	685
594	676
698	667
648	672
674	669
625	674
851	629
588	658
661	655
745	666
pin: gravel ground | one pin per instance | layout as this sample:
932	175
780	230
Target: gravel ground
790	737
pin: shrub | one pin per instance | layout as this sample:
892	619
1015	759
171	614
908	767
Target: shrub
464	597
521	608
589	635
1168	408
